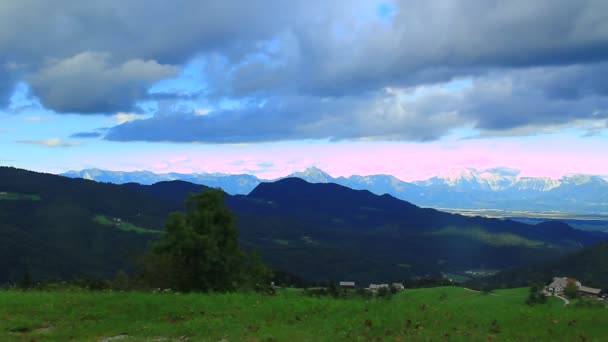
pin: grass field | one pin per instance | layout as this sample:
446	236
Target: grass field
492	239
10	196
436	314
122	225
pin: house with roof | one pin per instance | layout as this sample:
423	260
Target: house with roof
559	284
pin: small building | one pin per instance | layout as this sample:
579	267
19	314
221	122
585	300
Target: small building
589	292
558	286
398	286
347	284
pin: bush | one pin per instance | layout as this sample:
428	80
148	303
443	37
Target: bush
121	282
384	292
315	292
92	283
364	293
536	295
571	290
487	289
26	282
589	303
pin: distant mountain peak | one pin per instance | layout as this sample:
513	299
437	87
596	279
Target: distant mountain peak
313	174
580	179
315	170
500	187
472	178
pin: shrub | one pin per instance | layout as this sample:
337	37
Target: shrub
536	295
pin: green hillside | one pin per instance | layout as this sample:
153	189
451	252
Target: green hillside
588	265
50	226
63	228
443	313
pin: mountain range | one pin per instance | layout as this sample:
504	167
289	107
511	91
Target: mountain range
468	188
55	226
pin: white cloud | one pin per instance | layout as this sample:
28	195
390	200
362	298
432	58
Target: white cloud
52	142
202	111
122	117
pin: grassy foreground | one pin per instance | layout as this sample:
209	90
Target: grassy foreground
447	313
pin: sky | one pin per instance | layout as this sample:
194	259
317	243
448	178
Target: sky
410	88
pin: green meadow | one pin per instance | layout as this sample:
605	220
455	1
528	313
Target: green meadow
10	196
489	238
444	313
122	225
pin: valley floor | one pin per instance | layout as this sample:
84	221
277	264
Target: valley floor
445	313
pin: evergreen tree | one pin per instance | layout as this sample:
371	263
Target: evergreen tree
199	250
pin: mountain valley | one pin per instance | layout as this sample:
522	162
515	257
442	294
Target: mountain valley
318	232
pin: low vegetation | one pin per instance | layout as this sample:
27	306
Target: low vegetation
9	196
490	238
122	225
439	313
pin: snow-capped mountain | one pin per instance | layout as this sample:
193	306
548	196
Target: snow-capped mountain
473	179
232	184
380	184
578	179
536	183
468	188
118	177
313	175
499	179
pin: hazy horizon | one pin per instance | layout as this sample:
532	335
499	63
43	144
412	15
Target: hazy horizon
449	174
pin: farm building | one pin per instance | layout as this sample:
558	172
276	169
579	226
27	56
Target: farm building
559	284
347	284
589	291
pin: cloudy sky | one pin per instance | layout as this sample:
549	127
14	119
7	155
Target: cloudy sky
405	87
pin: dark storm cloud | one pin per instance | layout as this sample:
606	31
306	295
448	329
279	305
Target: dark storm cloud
322	69
7	84
536	96
299	117
111	36
503	103
428	42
